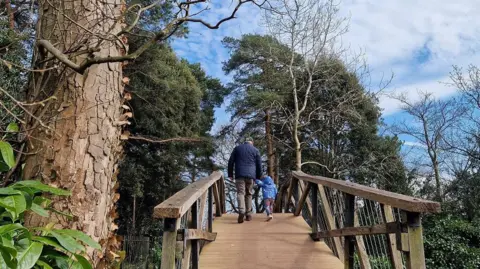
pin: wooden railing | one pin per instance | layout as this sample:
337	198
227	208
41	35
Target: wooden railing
187	208
364	227
383	227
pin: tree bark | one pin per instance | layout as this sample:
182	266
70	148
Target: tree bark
134	217
11	21
438	185
270	153
298	150
77	146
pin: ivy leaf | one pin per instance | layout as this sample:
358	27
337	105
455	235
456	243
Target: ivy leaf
12	127
7	257
42	201
7	154
15	204
35	184
39	210
80	236
28	199
49	241
43	264
27	258
9	191
5	229
68	242
61	261
83	262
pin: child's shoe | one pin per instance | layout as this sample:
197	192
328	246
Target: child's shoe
270	217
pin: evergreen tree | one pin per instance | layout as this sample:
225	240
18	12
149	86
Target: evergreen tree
171	99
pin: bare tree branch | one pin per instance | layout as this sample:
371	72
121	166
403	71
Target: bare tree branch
169	140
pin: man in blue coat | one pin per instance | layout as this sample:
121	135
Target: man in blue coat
248	167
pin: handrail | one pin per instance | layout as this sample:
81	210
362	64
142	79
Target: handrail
177	205
397	200
190	203
340	216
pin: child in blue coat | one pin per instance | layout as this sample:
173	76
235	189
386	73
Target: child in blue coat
269	191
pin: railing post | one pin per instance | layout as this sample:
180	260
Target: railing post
195	245
218	208
361	249
169	243
349	244
416	255
293	184
396	256
328	213
314	189
210	209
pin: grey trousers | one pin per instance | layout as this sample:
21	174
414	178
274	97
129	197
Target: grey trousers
244	195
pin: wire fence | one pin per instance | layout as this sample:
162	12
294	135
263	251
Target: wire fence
137	252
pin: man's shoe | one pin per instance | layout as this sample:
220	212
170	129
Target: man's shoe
240	217
249	217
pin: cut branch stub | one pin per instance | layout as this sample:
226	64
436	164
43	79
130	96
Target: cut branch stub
127	96
125	135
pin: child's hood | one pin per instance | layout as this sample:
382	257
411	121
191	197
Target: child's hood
268	181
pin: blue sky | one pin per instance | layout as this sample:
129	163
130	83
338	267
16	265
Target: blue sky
418	41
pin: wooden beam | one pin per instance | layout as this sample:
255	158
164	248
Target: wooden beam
216	196
402	242
330	221
210	209
222	196
195	234
180	202
416	255
349	240
314	214
301	188
395	255
300	203
293	184
401	201
187	247
201	214
362	251
169	244
384	228
195	246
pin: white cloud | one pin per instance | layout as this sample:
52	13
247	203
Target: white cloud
438	88
417	40
394	34
414	144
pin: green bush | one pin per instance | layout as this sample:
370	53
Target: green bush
41	247
451	243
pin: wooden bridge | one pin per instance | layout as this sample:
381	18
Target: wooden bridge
332	224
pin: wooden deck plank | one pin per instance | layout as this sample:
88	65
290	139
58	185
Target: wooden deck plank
283	242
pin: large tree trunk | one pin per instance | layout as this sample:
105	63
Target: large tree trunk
270	153
77	145
11	20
